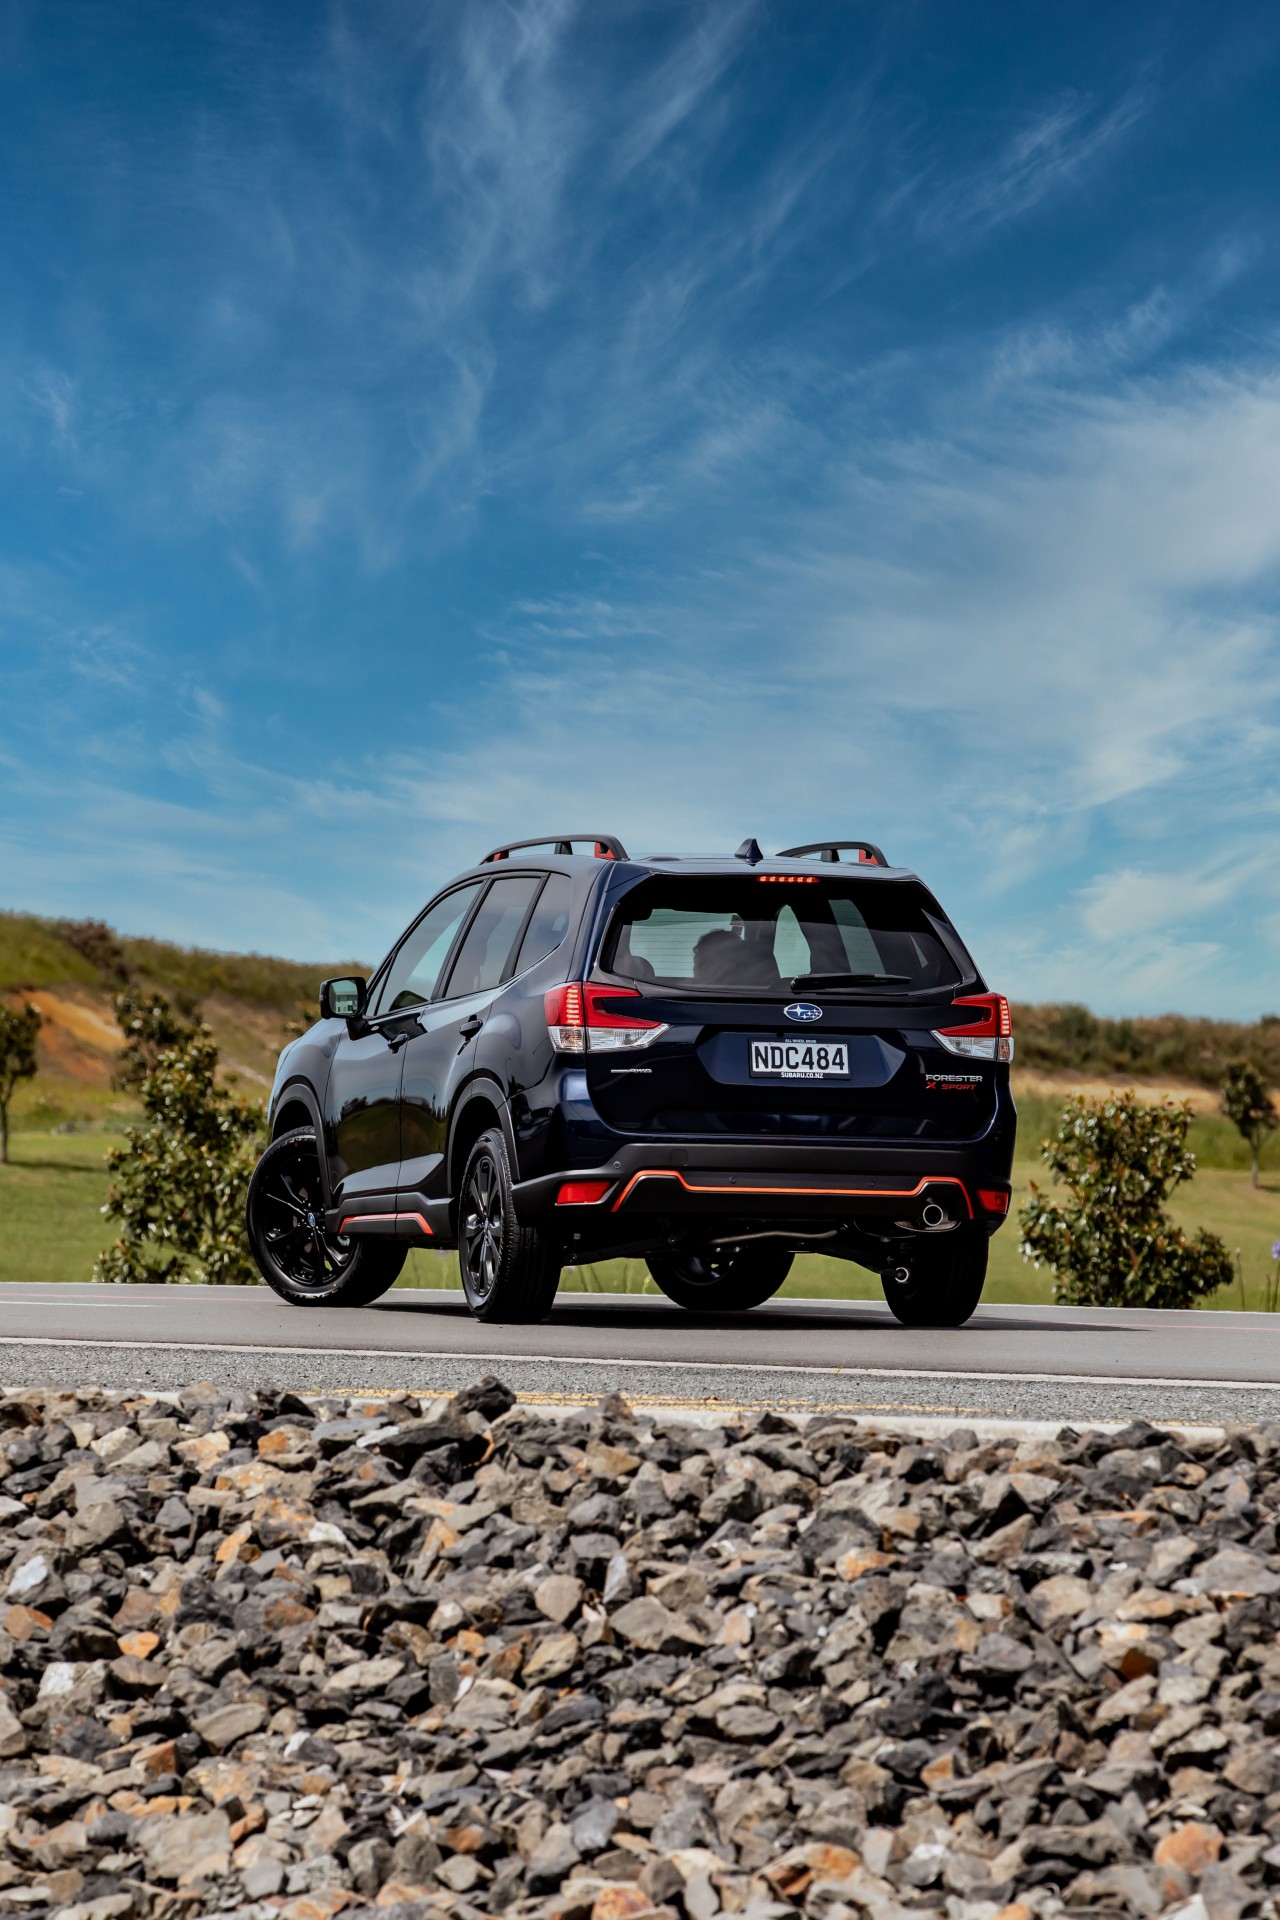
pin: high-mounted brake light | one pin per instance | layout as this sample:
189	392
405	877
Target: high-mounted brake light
581	1017
989	1036
790	879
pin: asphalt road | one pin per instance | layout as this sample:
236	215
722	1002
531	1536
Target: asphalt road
1038	1363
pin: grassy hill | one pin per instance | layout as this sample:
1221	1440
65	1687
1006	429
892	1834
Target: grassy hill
58	953
1169	1046
72	970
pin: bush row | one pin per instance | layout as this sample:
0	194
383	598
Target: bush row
1057	1039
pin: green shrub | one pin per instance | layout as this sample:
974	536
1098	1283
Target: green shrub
1249	1107
19	1027
180	1178
95	942
1112	1245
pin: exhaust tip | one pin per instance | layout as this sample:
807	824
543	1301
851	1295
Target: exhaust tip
933	1215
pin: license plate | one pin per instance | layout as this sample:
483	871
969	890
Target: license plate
800	1059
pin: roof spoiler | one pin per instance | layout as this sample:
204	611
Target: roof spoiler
869	855
603	846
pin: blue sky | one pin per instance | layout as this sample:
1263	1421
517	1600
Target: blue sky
423	424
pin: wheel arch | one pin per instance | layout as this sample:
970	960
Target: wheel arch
481	1105
297	1106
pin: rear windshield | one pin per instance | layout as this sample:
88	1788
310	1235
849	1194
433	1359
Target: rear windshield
757	931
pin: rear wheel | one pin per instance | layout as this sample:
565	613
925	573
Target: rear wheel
939	1281
285	1216
722	1279
509	1273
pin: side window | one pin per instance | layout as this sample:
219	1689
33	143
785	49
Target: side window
861	951
483	955
549	924
790	948
415	971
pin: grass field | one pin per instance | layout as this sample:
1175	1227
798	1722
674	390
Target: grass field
51	1229
50	1193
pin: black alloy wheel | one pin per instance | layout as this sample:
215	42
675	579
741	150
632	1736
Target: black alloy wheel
509	1273
296	1257
483	1226
730	1279
939	1279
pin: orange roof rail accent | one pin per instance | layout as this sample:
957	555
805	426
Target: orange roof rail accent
604	846
869	854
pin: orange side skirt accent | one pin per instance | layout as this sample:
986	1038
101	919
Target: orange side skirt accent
365	1219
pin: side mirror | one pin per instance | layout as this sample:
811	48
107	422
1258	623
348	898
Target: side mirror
344	999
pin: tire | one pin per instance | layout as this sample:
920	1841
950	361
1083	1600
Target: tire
509	1273
723	1279
944	1283
297	1259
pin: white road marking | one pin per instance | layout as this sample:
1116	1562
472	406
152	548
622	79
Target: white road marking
412	1354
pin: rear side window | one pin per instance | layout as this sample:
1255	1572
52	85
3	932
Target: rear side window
757	931
483	955
549	924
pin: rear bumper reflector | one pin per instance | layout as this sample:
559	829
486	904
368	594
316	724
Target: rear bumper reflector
993	1200
582	1193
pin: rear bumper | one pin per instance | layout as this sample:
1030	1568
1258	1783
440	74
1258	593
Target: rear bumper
650	1189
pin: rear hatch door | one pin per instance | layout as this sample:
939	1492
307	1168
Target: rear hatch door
793	1006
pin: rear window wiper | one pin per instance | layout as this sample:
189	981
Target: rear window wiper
816	980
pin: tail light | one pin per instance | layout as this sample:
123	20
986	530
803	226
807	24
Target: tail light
988	1036
582	1016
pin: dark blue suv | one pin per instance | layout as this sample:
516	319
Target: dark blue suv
715	1064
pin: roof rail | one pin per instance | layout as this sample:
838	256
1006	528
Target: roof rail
603	846
869	855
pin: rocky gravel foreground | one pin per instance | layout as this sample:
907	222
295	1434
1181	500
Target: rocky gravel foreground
272	1656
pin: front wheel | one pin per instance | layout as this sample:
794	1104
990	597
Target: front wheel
722	1279
296	1257
939	1281
509	1273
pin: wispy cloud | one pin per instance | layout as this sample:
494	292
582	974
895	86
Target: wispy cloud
699	421
1047	154
1045	631
1130	902
52	394
665	100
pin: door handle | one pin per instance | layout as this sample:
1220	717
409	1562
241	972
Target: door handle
470	1028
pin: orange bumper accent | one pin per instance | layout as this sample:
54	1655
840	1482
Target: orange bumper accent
825	1193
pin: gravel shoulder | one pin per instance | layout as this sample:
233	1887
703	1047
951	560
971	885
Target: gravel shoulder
277	1656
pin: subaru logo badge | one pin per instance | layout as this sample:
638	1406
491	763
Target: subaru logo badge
803	1010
